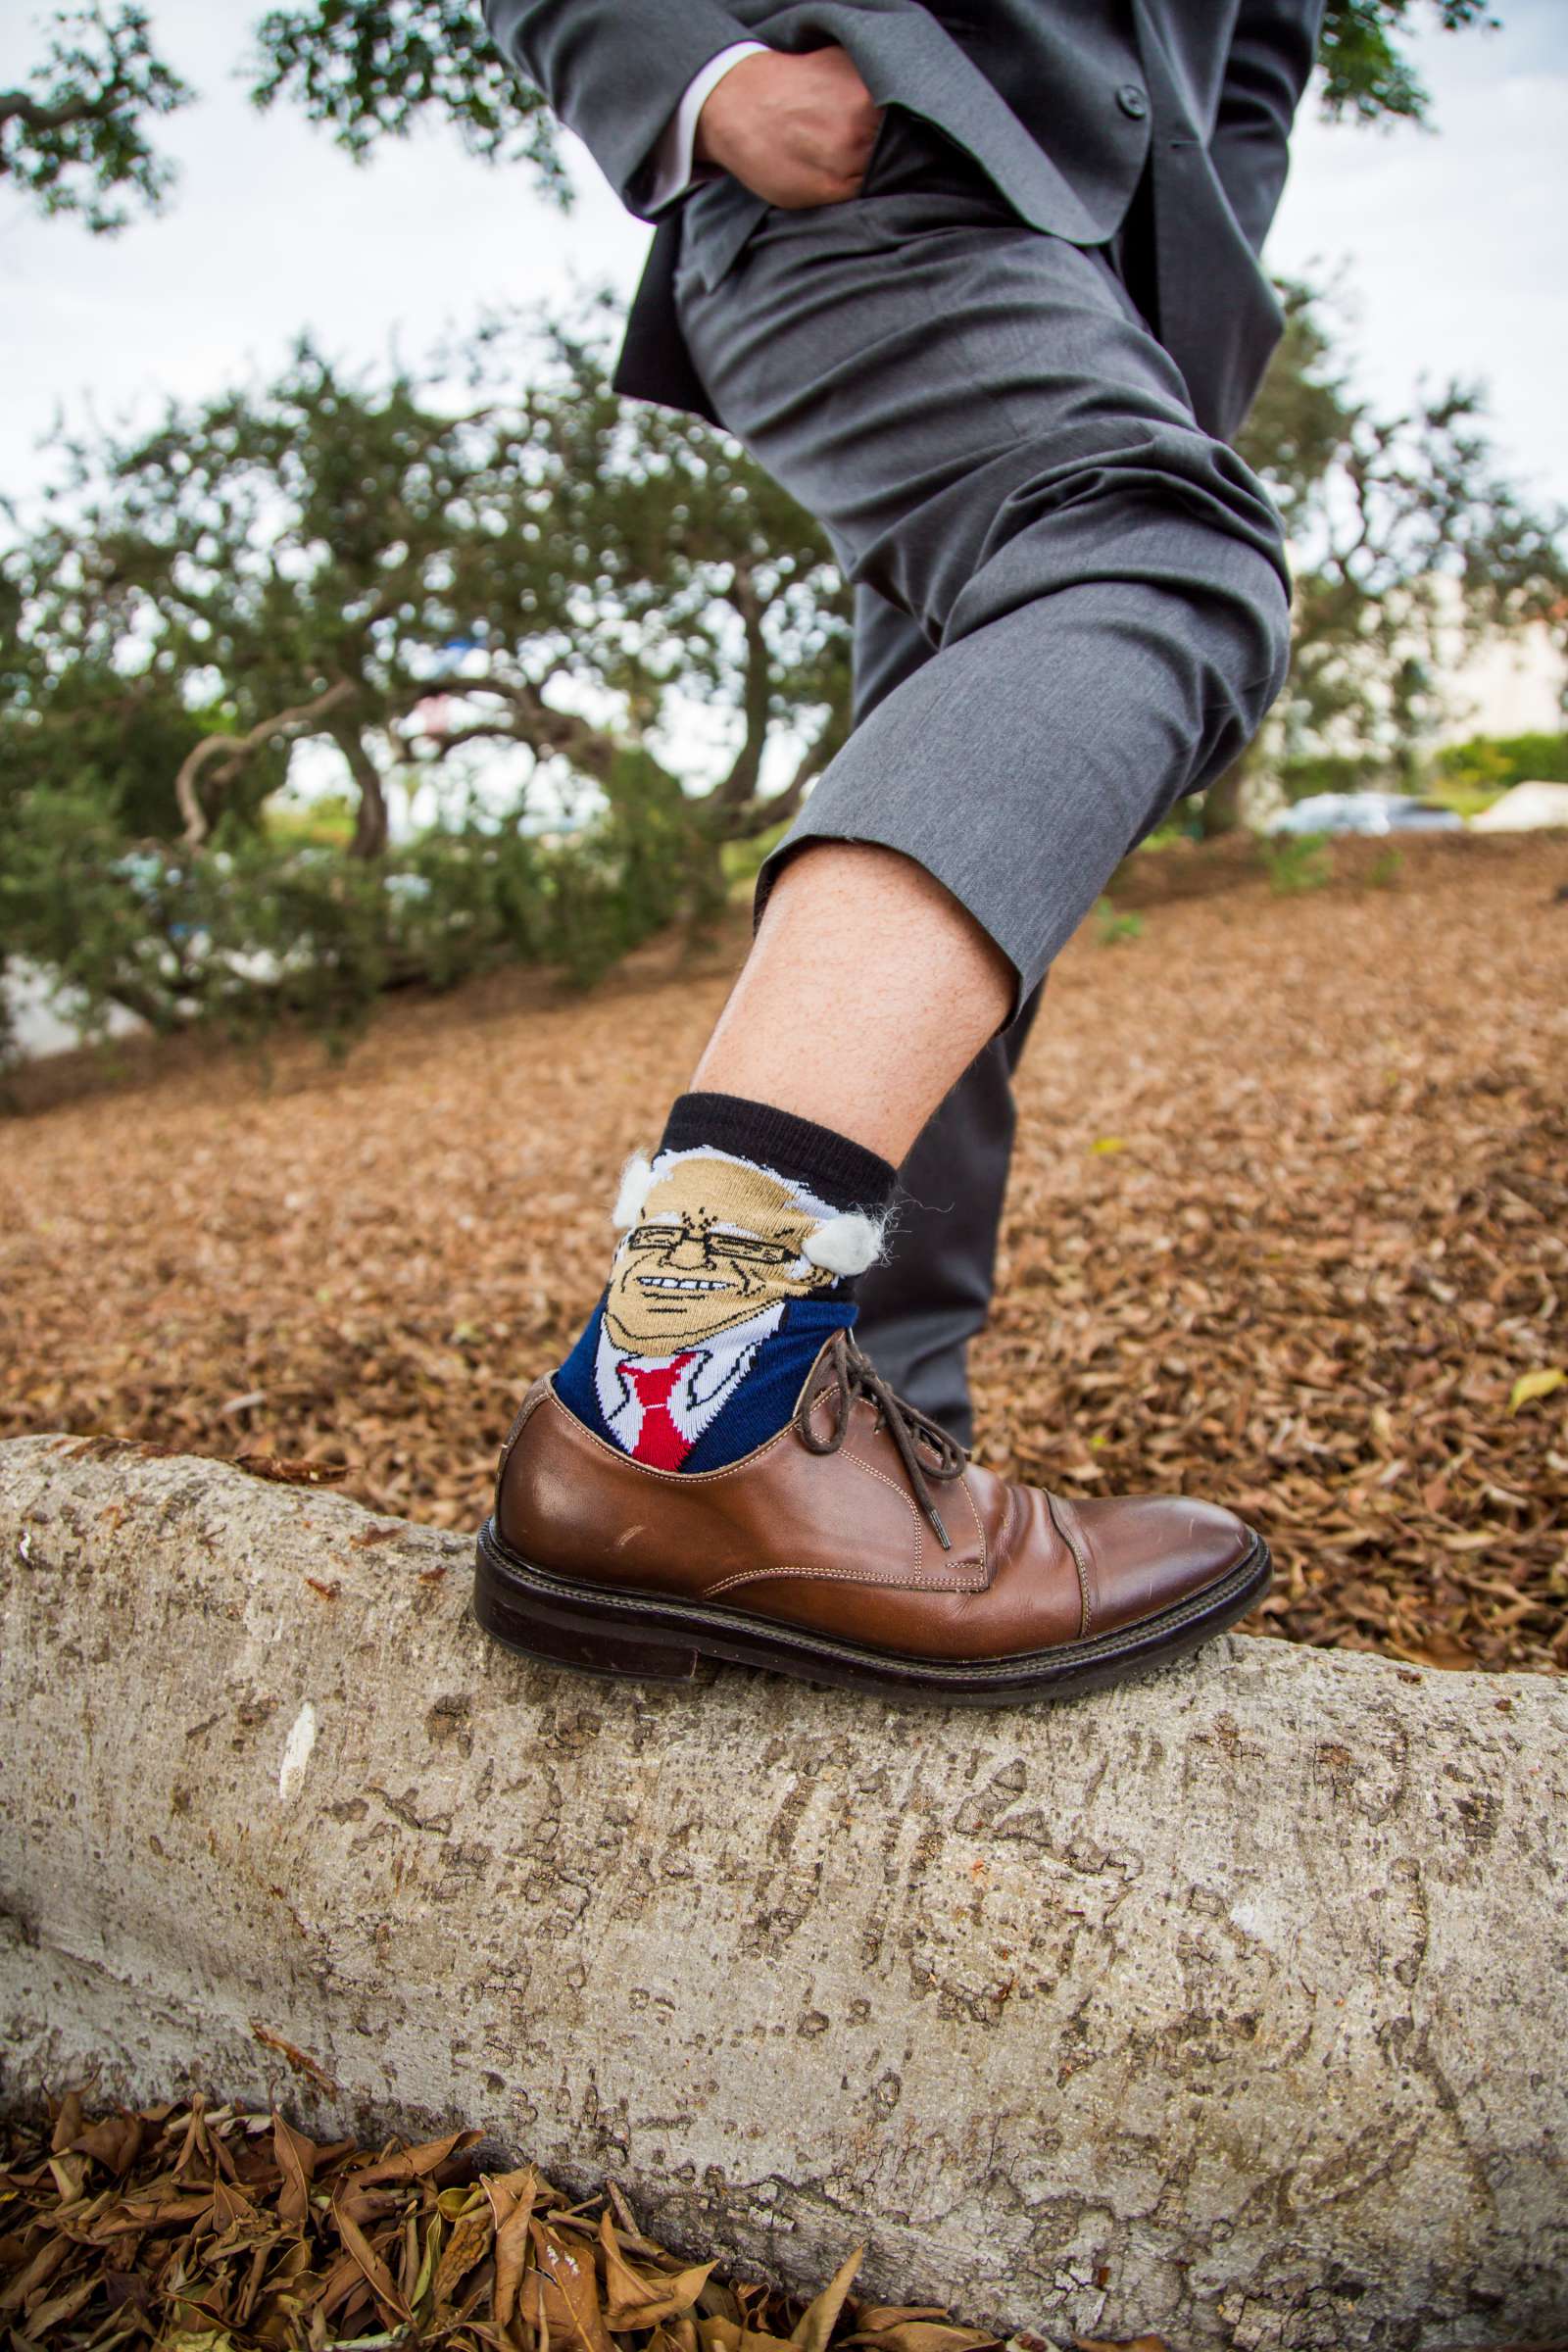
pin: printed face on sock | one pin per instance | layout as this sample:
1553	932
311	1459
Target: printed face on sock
716	1244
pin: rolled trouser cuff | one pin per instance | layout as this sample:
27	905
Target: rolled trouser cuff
1025	761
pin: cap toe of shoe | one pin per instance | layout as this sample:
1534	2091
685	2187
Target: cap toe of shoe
1147	1554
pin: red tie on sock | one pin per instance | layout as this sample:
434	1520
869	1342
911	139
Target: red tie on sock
659	1441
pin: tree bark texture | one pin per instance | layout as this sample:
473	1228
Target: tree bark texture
1231	2005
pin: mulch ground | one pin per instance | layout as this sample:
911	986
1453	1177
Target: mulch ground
194	2227
206	2228
1289	1228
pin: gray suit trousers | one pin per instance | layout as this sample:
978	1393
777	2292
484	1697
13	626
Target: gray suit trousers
1000	451
924	1302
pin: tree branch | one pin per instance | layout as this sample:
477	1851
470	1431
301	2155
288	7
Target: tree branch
17	107
236	749
737	824
541	729
738	787
371	820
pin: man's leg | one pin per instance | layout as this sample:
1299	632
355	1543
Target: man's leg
930	1293
1067	611
716	1471
868	991
1002	450
977	413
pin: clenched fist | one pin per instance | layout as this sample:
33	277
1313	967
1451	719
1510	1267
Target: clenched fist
797	131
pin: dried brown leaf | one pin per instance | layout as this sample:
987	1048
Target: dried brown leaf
36	2272
292	1472
818	2320
919	2335
716	2334
507	2190
511	2238
1137	2343
672	2299
298	2059
114	2142
469	2243
296	2164
61	2308
377	2277
66	2124
571	2303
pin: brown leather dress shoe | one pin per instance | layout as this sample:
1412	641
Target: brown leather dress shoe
827	1554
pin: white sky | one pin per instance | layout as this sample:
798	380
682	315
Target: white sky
1455	244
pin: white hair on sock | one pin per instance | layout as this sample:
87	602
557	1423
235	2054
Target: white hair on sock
636	1183
847	1245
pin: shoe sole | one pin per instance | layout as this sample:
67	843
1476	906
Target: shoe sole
645	1637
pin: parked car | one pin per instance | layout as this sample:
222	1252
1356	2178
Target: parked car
1365	812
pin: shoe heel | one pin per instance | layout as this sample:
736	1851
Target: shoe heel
553	1631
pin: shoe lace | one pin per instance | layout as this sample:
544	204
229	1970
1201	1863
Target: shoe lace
850	1375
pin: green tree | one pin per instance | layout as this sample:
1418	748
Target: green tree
1409	547
1364	73
91	727
77	136
405	569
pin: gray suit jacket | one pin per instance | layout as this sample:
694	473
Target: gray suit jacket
1061	103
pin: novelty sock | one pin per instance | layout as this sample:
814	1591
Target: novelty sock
741	1241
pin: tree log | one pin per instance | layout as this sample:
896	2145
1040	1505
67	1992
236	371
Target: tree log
1232	2004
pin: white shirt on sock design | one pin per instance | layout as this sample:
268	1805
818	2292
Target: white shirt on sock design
703	1388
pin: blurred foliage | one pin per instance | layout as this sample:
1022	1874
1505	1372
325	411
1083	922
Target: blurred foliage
418	572
405	570
411	576
76	136
368	71
1113	928
1364	74
71	720
742	860
1312	772
1409	549
1495	763
325	822
252	933
1305	862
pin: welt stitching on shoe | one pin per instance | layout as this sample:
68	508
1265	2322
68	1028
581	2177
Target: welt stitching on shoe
938	1583
966	1492
637	1606
901	1492
845	1576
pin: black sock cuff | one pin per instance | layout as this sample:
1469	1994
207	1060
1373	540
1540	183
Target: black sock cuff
840	1172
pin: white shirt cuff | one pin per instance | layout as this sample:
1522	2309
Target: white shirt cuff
673	173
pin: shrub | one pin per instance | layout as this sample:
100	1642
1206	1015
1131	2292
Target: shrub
1495	763
1111	927
1305	862
254	931
1335	771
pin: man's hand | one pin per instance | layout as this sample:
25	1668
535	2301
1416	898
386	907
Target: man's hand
797	131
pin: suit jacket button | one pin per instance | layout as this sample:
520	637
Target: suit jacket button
1133	101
